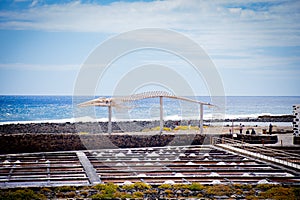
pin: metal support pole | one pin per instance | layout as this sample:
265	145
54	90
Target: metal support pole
109	119
161	114
201	118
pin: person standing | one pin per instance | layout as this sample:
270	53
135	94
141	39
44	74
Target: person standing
241	128
270	128
247	132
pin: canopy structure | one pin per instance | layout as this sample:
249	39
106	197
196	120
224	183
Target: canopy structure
118	101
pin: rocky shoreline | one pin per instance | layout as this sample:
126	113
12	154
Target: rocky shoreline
119	127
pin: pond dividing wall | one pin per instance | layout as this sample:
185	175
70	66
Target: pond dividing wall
205	164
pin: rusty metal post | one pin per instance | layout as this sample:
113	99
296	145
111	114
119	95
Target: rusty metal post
201	118
109	119
161	114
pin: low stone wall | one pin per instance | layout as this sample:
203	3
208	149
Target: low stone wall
297	140
258	139
27	143
135	126
39	137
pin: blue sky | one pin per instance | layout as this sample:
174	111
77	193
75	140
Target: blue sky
255	45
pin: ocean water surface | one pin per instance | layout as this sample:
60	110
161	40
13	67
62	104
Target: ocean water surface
65	108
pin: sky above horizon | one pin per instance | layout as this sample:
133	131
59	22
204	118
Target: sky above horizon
255	45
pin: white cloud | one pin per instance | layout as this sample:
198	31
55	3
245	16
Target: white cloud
34	3
228	28
217	24
206	16
257	62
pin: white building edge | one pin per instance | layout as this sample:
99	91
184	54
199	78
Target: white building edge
296	120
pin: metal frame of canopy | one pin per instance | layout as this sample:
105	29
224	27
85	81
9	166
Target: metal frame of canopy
113	102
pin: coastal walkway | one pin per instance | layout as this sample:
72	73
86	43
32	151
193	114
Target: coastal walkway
284	158
88	168
205	164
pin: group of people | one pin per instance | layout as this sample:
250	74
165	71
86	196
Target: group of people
253	132
247	131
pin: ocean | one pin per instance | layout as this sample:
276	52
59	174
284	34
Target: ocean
25	109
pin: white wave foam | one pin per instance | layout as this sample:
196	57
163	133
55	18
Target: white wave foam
71	120
170	117
246	116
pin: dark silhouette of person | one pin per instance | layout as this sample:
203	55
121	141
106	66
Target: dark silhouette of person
241	128
270	129
253	132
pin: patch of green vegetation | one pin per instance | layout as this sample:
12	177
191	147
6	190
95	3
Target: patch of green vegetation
219	190
107	191
21	194
138	195
46	190
122	195
128	187
184	128
165	186
65	189
264	187
169	193
141	186
83	133
239	191
152	191
187	192
137	186
158	129
141	190
243	186
196	187
99	187
279	193
180	186
99	196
